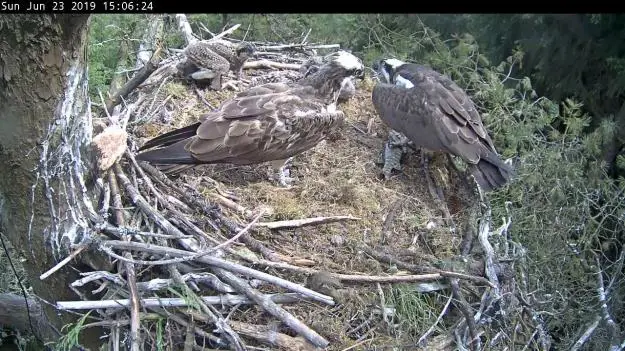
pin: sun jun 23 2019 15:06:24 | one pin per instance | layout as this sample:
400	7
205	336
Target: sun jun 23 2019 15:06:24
69	6
81	6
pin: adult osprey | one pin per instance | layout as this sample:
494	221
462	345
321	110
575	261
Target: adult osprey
269	122
211	59
437	115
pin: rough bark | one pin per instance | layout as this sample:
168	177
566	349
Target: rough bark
152	34
13	312
44	136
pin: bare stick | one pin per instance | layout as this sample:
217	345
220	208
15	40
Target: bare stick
176	318
226	32
233	206
199	94
135	304
158	218
120	231
440	316
601	291
421	269
241	232
217	262
206	278
388	279
219	322
272	308
270	65
269	336
129	267
298	46
226	300
116	199
464	307
306	36
136	80
587	334
189	339
489	252
62	263
194	198
298	223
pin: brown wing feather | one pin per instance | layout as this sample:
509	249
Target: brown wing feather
257	128
452	100
446	117
437	115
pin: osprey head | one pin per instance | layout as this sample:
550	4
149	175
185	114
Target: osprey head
245	50
311	66
349	64
385	69
311	70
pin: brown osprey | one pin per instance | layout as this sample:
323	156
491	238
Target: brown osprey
269	122
312	65
210	60
437	115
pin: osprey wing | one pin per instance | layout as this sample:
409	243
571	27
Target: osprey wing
437	115
431	117
273	122
203	56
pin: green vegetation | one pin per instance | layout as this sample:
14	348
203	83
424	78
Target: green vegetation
551	91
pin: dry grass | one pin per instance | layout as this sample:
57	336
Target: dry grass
338	177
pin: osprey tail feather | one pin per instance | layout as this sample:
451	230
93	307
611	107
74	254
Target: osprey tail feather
172	154
171	137
490	176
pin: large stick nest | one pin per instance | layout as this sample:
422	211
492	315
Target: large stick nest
219	257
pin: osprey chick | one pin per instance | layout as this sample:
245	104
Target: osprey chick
437	115
210	60
269	122
236	54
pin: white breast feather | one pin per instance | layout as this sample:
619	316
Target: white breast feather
331	108
403	82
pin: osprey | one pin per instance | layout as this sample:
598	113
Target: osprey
437	115
311	66
210	60
270	122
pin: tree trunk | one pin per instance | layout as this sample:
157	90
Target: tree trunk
152	34
44	150
224	21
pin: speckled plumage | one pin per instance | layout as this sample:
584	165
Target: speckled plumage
235	54
210	60
270	122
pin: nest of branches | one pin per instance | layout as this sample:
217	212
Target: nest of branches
191	265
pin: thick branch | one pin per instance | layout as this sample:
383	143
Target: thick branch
226	300
13	313
136	80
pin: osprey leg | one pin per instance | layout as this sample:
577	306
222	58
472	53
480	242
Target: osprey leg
435	190
281	172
